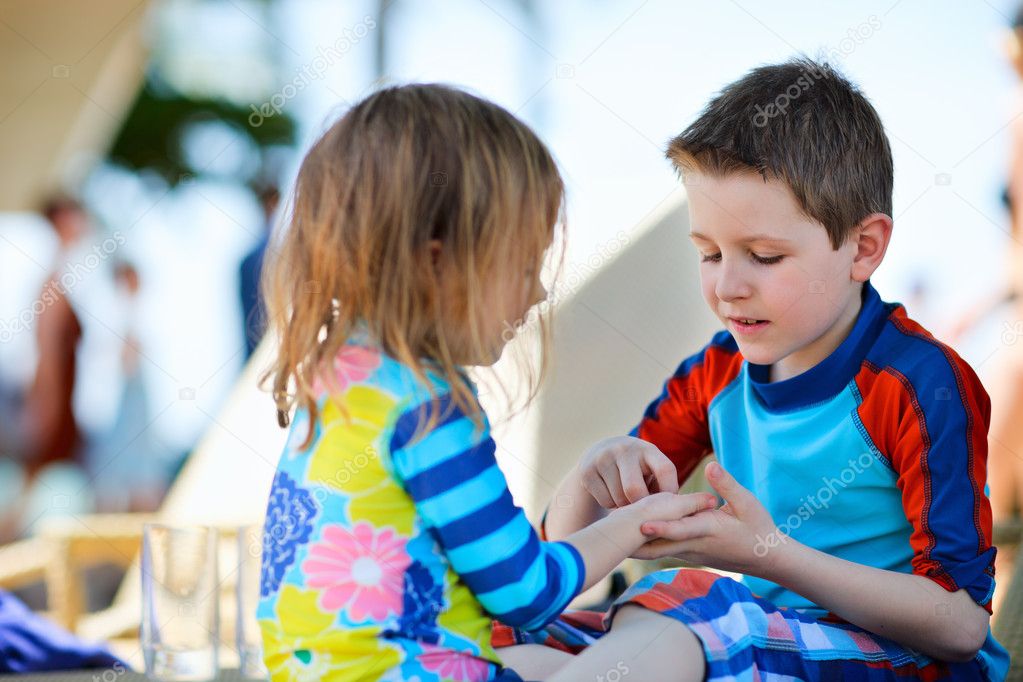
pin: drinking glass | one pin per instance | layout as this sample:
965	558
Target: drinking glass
180	602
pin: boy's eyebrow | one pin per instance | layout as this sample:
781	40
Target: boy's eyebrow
752	238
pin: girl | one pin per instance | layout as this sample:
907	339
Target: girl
419	226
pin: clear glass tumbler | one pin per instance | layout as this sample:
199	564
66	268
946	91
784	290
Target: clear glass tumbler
180	602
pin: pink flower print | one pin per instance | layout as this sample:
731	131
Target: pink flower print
352	364
452	665
358	570
355	363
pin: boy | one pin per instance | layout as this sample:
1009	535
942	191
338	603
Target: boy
850	444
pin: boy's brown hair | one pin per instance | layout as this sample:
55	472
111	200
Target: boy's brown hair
805	124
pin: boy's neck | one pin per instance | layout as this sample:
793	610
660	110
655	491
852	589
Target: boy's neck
811	355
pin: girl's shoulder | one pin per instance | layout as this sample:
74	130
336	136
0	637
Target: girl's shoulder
361	366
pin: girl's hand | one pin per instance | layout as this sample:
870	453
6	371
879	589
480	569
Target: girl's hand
669	507
739	536
622	470
624	525
605	543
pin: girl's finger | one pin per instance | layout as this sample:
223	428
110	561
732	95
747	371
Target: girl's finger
692	503
669	507
688	528
651	528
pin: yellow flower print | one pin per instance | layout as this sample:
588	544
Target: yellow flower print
347	458
303	644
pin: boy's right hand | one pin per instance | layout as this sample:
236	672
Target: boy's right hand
621	470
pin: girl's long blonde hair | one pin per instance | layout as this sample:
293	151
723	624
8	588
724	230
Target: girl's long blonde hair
406	168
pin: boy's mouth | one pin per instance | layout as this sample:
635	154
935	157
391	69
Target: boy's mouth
747	324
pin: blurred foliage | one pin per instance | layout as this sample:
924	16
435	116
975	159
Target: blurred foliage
150	139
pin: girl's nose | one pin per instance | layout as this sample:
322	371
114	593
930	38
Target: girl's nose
540	294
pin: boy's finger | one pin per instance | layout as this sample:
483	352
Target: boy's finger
658	549
603	496
609	472
633	486
663	470
595	486
726	486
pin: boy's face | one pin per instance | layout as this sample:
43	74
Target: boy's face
763	259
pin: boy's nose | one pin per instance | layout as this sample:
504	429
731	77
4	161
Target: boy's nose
731	284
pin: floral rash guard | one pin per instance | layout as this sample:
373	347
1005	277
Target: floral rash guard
388	547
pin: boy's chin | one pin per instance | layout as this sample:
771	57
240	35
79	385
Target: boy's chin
757	354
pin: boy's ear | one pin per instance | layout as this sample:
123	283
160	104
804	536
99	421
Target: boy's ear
871	238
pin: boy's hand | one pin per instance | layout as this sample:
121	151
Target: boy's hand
738	536
622	470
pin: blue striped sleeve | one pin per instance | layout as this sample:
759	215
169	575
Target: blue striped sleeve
451	473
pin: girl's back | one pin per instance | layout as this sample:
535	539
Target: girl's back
352	575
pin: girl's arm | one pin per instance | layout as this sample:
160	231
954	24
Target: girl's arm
610	540
460	493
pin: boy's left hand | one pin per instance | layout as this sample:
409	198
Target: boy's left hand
738	536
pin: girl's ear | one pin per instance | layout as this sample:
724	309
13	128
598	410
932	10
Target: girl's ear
435	282
434	249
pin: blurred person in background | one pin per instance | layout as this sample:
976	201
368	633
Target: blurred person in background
253	313
128	466
52	440
51	428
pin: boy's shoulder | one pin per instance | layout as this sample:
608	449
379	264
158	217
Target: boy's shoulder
920	403
706	372
900	357
918	363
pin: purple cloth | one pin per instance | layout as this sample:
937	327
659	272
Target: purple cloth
30	643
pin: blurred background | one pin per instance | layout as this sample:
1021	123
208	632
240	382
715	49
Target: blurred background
148	147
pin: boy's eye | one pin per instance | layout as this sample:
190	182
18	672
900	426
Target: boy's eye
763	260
